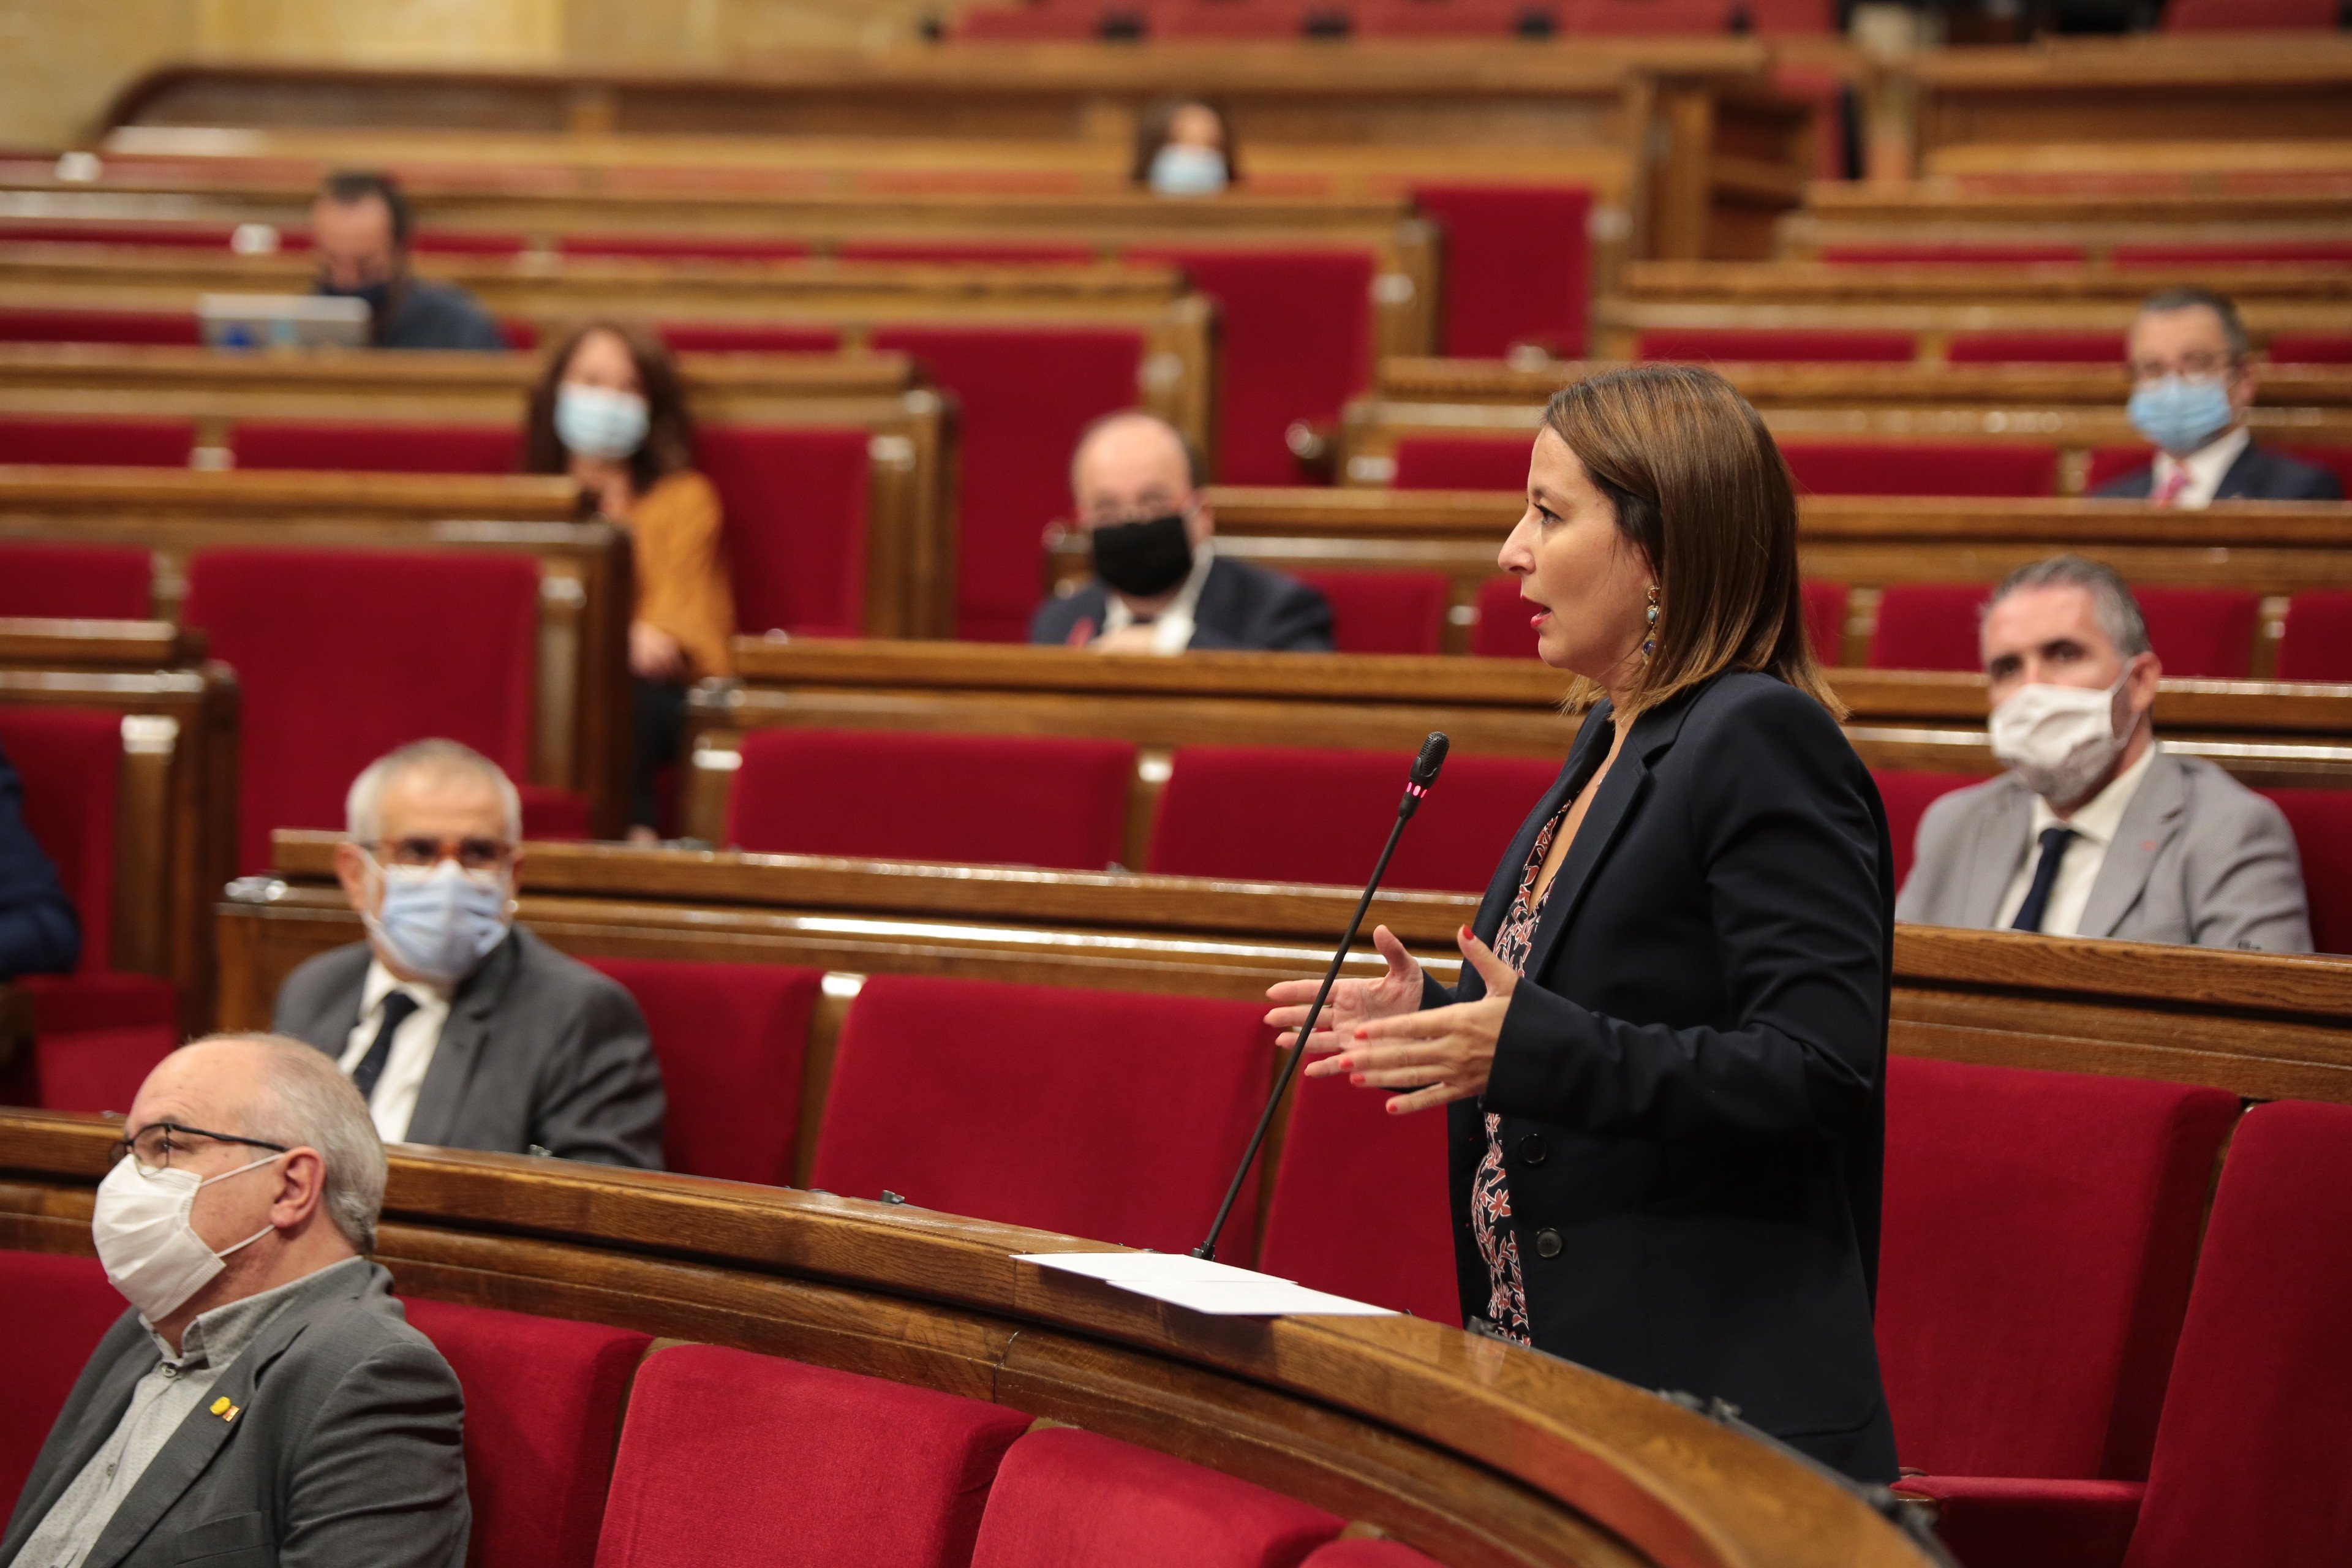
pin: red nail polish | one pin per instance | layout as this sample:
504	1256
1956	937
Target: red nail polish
1357	1078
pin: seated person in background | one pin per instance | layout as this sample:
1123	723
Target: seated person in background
1185	148
609	412
40	932
1160	586
2096	830
2192	386
458	1027
360	229
264	1400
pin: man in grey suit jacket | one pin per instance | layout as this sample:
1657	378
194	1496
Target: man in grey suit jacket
264	1401
460	1028
2096	830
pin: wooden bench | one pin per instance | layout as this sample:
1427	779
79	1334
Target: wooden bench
175	814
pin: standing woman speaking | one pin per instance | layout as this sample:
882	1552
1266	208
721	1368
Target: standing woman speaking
1664	1063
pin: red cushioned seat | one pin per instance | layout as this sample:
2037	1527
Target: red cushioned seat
2040	1233
747	337
341	655
2322	820
1103	1114
560	815
543	1398
2310	348
1950	255
83	231
1929	625
731	1040
1360	1206
986	253
1367	1553
1017	800
53	1312
1384	611
2337	460
1810	345
99	442
795	498
1908	793
1297	345
2315	644
1504	626
2036	348
1460	463
729	1459
684	247
1321	816
1236	19
1026	394
1825	619
2201	633
1921	468
380	446
2112	462
1077	1499
1518	266
25	324
76	582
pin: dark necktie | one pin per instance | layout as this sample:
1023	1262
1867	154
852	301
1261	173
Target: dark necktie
2045	877
397	1007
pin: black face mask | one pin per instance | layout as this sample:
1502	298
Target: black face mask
1143	559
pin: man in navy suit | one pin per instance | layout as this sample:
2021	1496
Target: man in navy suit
1160	586
2192	386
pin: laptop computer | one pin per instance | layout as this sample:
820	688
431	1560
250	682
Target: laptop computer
282	320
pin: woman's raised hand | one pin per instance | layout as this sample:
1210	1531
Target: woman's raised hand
1352	1002
1443	1054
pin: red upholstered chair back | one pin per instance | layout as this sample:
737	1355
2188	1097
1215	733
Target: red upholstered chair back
2249	16
2310	348
1104	1114
2335	459
1735	345
1384	611
1502	628
1518	266
68	761
97	443
1460	463
729	1459
795	503
747	337
2113	462
683	248
1929	625
1907	793
2201	633
2040	1229
381	447
2316	643
34	324
543	1398
2037	348
1921	468
1079	1500
2256	1438
76	582
2322	820
1825	619
1360	1206
732	1040
83	231
53	1312
1321	816
343	655
1014	800
1026	393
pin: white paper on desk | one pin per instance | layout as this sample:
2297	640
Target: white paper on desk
1120	1267
1259	1296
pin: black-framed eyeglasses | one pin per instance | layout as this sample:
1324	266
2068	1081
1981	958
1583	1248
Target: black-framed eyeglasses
471	853
153	1145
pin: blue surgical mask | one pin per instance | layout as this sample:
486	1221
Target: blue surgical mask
597	422
1182	169
437	925
2182	413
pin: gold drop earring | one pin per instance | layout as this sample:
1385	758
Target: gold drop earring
1650	620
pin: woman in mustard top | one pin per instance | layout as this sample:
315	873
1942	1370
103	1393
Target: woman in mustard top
609	412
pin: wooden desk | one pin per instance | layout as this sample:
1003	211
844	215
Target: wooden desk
175	811
1946	211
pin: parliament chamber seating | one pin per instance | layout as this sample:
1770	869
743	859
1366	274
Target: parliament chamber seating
1908	793
1384	611
797	502
103	440
1820	468
75	582
53	1312
376	447
2316	641
2198	633
30	324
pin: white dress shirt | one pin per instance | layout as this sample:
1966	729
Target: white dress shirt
1172	632
2205	467
2095	828
413	1044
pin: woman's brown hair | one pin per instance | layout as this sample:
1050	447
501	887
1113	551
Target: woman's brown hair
1152	130
1701	490
668	446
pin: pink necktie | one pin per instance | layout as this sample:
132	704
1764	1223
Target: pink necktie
2174	483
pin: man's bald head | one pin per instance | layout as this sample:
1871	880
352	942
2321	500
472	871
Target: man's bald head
1132	464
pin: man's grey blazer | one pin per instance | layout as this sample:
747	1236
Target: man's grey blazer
539	1050
345	1450
2199	859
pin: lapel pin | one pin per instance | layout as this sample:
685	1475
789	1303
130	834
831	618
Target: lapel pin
233	1412
221	1407
2148	845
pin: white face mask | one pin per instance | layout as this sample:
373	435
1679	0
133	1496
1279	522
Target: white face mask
2060	739
151	1250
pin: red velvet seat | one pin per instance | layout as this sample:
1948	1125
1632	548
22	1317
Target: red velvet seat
1104	1114
343	655
683	246
543	1398
1929	625
1321	816
85	231
2251	15
1384	611
729	1459
53	1312
1026	394
1017	800
76	582
1460	463
379	446
2322	820
2201	633
732	1040
1921	468
1067	1498
747	337
1447	19
1908	793
1518	266
1825	619
2310	348
1503	629
2036	348
95	442
795	499
1810	344
32	324
2316	643
2040	1232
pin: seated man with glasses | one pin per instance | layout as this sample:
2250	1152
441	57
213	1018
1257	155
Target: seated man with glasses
459	1028
2192	386
264	1400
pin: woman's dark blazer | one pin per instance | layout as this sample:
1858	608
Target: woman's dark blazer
1690	1073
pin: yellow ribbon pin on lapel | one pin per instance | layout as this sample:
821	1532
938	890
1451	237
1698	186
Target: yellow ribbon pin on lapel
224	1410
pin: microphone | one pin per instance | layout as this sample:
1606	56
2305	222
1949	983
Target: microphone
1417	785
